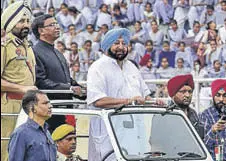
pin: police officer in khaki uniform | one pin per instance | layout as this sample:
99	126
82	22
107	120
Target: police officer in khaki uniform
17	66
65	139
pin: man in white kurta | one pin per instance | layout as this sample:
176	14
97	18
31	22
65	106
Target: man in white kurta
113	81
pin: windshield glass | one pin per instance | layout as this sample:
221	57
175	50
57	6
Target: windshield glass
153	135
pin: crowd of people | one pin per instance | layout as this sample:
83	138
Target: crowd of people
114	45
168	37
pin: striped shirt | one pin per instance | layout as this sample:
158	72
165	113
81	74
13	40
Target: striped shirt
209	117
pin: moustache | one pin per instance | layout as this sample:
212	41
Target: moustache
25	30
73	146
220	104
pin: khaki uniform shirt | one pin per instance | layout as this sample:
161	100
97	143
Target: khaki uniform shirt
62	157
17	61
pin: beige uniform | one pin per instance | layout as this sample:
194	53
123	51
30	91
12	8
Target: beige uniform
17	66
62	157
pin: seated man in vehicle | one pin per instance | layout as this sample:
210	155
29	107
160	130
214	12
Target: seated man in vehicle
180	89
65	138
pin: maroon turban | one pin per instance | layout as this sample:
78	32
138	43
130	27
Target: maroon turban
177	82
217	85
144	60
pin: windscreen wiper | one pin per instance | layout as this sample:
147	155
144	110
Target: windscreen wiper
160	156
170	108
188	155
155	155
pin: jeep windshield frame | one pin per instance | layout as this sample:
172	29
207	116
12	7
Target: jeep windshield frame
128	119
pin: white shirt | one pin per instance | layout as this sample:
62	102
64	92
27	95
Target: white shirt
222	34
106	79
103	18
89	36
197	36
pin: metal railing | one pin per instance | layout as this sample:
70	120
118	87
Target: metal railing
155	81
196	90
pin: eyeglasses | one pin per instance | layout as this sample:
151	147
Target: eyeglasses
55	24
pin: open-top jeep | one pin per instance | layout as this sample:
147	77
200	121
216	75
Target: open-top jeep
140	133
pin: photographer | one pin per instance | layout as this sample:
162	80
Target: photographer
214	119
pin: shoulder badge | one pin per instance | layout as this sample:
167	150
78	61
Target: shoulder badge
19	54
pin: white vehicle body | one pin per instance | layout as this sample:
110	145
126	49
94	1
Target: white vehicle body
192	149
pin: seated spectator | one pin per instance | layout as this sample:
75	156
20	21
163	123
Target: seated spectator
212	53
65	138
166	52
224	67
180	69
207	15
201	54
39	6
86	56
90	34
148	16
150	53
75	72
216	71
63	17
221	14
223	54
164	12
79	4
185	54
134	10
119	19
89	15
56	4
175	35
103	17
139	35
149	72
195	10
181	12
156	35
71	36
195	32
51	11
62	49
102	31
199	71
222	33
132	54
211	33
73	53
77	19
165	71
